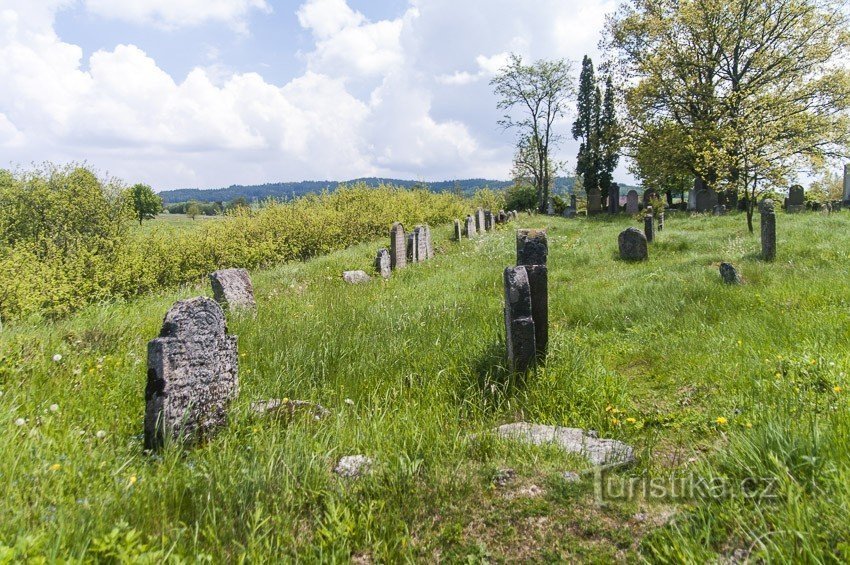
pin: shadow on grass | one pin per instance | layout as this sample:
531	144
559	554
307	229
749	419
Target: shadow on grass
490	384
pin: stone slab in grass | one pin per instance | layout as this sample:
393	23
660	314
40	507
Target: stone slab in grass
232	288
599	452
356	277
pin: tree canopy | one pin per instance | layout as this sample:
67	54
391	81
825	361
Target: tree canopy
146	204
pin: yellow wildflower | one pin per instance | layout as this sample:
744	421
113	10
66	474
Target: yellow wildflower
836	389
55	467
615	421
631	420
132	481
721	421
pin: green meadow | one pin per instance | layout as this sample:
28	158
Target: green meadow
741	386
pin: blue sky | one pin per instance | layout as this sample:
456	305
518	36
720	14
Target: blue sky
207	93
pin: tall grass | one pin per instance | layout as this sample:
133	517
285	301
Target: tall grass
651	353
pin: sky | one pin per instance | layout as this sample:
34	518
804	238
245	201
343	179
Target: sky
209	93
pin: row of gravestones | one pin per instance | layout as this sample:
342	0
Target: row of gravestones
633	244
405	248
595	206
527	301
480	222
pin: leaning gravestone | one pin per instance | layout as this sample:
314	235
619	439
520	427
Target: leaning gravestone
614	198
519	325
383	264
768	230
632	245
232	288
632	206
398	247
193	375
470	227
458	231
532	250
796	199
648	228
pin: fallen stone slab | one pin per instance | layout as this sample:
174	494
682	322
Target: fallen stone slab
356	277
729	274
232	288
599	452
353	466
285	408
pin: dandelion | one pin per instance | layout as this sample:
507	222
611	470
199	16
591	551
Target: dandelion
721	421
814	362
132	481
100	434
54	408
836	389
615	421
20	422
285	401
57	357
749	425
55	467
740	343
631	420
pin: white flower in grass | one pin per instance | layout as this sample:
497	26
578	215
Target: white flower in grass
349	402
57	357
54	408
100	434
20	422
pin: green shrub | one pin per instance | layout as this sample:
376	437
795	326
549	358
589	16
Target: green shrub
521	197
67	240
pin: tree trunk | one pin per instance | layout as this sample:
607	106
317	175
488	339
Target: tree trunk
750	206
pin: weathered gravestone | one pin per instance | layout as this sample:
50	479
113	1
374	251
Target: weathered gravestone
661	221
519	325
488	220
729	274
768	230
632	243
193	375
479	220
503	217
383	264
796	199
417	245
706	200
632	205
720	210
649	228
614	198
232	288
398	247
470	227
458	231
532	250
429	243
594	202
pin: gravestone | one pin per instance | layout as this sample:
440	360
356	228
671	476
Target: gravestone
768	230
383	264
503	217
532	250
649	228
661	221
458	231
632	243
573	203
720	210
706	200
699	185
729	274
356	277
470	227
732	199
632	202
429	243
837	205
412	247
488	220
532	247
193	374
594	202
796	199
398	247
550	206
569	212
479	221
232	288
614	198
418	247
519	325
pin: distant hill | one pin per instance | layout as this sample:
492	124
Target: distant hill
284	190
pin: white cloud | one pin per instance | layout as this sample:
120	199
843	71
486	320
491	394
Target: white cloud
406	96
173	14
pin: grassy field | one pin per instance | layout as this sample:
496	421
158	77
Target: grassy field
720	385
